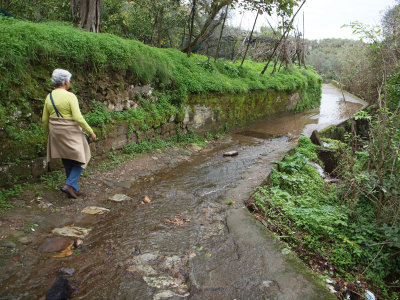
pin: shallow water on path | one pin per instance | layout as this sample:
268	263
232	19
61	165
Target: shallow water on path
188	242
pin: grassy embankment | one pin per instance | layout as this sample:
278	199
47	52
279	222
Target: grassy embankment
335	233
30	51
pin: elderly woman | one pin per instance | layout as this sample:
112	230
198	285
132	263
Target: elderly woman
63	122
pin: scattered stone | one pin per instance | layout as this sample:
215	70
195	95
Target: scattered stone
267	283
328	157
231	153
316	139
285	251
142	270
109	182
94	210
66	272
124	184
145	258
154	157
146	199
43	204
195	147
54	244
329	281
25	240
332	289
60	290
166	294
120	198
73	231
162	281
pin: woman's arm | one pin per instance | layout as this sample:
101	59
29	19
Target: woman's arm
77	116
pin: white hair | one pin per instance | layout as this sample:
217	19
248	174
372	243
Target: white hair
59	76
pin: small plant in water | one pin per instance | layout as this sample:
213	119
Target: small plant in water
230	202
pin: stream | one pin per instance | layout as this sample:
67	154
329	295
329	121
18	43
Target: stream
195	239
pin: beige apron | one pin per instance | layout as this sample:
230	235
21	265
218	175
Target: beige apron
66	140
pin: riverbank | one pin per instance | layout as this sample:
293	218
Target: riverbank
332	228
125	88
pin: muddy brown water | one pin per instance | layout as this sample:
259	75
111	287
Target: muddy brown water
209	249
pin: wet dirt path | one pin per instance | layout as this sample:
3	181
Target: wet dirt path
188	242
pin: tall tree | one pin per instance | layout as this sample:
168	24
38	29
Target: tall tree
251	35
283	36
214	9
220	35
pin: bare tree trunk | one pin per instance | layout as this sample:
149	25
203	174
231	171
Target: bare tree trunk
75	11
159	26
220	36
191	28
90	14
251	35
303	48
284	34
169	38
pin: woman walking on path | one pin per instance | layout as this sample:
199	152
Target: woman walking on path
63	122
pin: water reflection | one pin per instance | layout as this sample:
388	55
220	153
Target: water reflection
333	110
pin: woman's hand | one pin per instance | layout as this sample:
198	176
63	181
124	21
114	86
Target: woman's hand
93	136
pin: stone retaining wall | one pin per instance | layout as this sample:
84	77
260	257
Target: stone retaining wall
204	113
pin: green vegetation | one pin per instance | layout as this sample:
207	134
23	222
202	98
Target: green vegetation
177	140
30	51
314	219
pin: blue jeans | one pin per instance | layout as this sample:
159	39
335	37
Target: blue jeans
73	170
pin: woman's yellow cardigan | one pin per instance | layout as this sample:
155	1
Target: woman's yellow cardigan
67	105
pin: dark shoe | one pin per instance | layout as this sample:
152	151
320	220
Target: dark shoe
69	191
80	193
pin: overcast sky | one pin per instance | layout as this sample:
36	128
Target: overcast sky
324	18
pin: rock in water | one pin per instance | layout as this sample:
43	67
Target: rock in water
74	231
120	198
54	244
61	290
231	153
94	210
66	272
315	138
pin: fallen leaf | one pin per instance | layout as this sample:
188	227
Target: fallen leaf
177	221
146	199
15	258
66	252
122	213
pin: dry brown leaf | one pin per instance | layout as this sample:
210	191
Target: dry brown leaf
177	221
146	199
66	252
